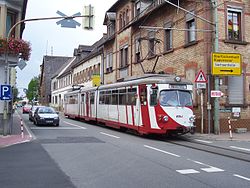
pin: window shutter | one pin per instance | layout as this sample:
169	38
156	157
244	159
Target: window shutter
235	90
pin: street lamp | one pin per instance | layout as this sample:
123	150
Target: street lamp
7	66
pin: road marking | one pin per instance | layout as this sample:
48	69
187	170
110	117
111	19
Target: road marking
54	128
156	149
188	171
212	169
204	141
74	125
242	177
197	162
235	147
113	136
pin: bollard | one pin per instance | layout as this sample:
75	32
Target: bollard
22	128
230	128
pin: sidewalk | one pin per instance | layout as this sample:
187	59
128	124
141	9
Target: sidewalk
16	137
222	136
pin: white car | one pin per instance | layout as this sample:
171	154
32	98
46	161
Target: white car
46	116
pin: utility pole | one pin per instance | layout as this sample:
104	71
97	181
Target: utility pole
216	78
214	4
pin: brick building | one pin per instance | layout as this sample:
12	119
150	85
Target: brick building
145	36
48	68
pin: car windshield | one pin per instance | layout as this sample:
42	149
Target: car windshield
27	106
175	98
46	110
34	108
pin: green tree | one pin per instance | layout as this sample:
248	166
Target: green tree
15	94
33	88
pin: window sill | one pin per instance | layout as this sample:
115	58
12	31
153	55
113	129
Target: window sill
125	67
235	42
190	44
168	51
227	105
151	57
137	62
107	72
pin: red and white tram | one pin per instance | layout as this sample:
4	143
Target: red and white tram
151	104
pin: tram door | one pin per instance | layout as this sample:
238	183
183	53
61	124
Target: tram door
87	105
143	106
82	107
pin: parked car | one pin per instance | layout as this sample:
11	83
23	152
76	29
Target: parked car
32	112
26	108
46	116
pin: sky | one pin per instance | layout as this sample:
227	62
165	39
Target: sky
48	38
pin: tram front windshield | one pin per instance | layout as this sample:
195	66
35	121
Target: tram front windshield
175	98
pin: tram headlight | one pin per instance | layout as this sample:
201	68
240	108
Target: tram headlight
177	79
165	118
192	119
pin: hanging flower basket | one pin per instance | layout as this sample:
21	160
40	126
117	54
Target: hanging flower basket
17	47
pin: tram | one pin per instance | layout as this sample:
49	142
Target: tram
149	104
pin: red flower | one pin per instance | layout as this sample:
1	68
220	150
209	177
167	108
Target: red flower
16	47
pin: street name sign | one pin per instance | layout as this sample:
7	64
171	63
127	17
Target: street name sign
226	64
5	92
201	85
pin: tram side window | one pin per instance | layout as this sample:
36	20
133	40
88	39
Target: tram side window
153	97
131	96
73	100
143	96
82	98
108	97
114	97
122	97
102	97
92	98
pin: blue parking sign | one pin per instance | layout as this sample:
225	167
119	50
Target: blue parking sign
5	92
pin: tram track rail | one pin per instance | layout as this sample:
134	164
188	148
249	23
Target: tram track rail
218	150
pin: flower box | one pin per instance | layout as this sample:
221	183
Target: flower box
15	47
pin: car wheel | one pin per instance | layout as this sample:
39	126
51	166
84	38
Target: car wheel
34	122
57	125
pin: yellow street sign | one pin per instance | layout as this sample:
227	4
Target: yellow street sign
96	80
226	64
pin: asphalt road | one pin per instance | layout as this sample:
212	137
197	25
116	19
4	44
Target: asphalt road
78	154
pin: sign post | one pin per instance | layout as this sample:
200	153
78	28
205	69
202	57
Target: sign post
201	82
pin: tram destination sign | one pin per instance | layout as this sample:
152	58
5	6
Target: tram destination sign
226	64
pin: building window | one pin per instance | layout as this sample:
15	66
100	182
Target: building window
111	29
120	21
151	44
168	37
137	8
109	62
127	16
236	90
124	19
137	50
190	25
10	21
124	57
234	24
